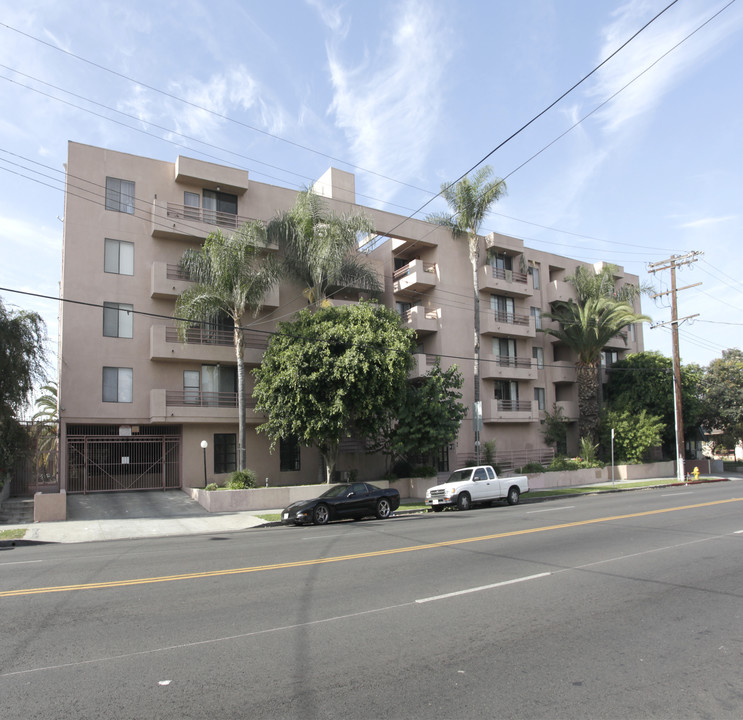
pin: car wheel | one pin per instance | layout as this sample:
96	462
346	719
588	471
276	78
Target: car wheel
513	495
464	501
321	515
384	509
436	508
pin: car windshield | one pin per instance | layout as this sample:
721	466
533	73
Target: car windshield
459	475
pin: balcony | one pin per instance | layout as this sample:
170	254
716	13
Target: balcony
507	367
183	222
194	406
169	281
422	363
423	321
569	409
509	411
204	345
415	277
558	291
505	282
562	372
507	324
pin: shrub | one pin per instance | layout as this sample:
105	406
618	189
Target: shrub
402	469
564	463
533	467
488	451
635	434
212	486
424	471
241	480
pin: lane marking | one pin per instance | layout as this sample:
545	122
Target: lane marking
532	512
483	587
738	532
21	562
676	494
358	556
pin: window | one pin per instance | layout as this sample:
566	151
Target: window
289	454
117	320
118	257
191	386
117	384
536	313
503	307
191	204
535	277
120	195
610	357
225	452
220	208
505	350
506	391
632	333
538	354
539	397
219	385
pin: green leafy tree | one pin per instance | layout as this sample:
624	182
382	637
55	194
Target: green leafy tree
430	415
321	248
586	329
644	381
232	275
635	433
556	429
470	200
22	363
723	395
333	373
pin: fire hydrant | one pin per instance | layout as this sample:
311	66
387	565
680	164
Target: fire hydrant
695	473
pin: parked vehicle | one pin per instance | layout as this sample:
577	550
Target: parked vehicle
472	485
343	501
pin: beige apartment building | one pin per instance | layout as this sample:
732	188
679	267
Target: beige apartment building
137	405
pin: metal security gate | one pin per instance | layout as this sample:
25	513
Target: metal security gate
105	463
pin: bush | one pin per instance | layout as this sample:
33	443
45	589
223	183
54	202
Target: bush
635	434
402	469
565	463
424	471
212	486
533	467
241	480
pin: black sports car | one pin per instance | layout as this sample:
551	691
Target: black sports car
343	501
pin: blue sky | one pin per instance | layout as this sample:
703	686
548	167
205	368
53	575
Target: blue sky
406	94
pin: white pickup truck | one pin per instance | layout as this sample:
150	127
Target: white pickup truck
479	484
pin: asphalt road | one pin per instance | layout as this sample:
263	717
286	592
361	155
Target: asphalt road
621	606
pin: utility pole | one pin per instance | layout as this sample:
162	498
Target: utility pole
671	264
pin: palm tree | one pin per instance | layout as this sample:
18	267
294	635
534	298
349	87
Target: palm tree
586	328
231	275
601	283
470	200
47	417
320	248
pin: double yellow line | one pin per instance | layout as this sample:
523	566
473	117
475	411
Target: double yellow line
343	558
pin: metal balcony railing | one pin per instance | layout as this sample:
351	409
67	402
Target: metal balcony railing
407	269
202	215
209	336
508	275
197	398
513	362
510	318
174	272
515	405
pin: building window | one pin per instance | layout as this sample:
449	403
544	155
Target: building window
535	277
117	320
120	195
117	385
539	397
538	354
191	205
191	386
536	313
118	257
220	208
610	357
225	452
289	457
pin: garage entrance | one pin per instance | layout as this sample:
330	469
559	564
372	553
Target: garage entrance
103	458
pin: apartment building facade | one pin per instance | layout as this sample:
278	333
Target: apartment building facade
138	403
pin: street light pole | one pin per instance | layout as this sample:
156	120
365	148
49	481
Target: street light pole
204	446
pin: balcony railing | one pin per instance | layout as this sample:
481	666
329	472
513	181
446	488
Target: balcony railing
515	405
209	217
407	269
510	318
198	398
513	362
174	272
410	314
509	275
208	336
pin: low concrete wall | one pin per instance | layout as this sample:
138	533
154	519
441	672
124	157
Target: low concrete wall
258	498
50	507
568	478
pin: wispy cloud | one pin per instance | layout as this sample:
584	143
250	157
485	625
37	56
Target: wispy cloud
705	222
646	93
388	104
331	15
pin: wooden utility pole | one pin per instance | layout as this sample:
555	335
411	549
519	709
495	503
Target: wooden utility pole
671	264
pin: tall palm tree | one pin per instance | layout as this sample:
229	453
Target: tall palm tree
598	284
232	275
586	328
320	248
469	201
